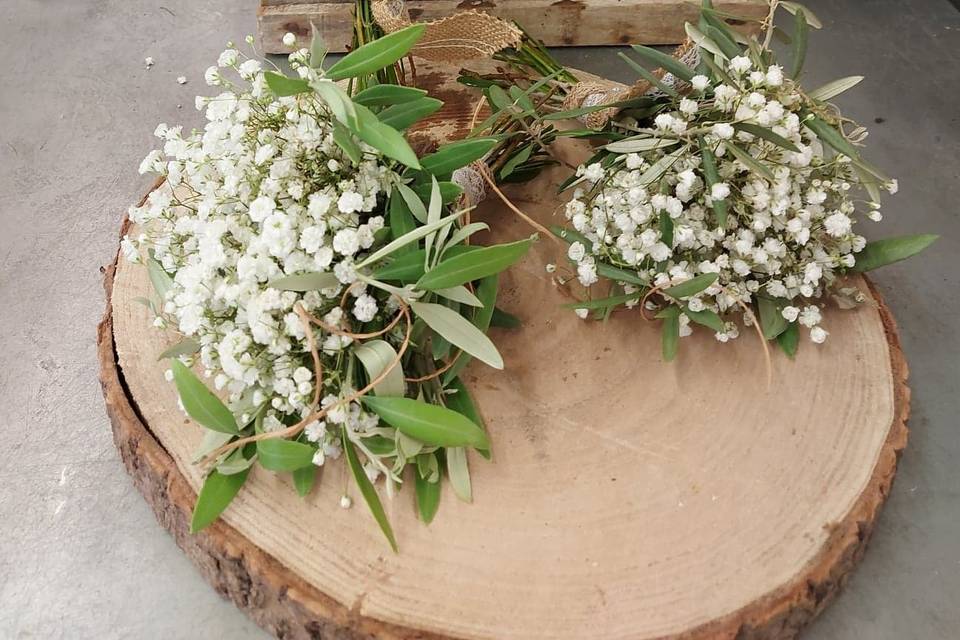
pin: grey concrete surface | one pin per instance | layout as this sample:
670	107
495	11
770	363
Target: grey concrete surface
81	556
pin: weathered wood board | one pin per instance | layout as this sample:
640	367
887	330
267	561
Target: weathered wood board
627	497
556	22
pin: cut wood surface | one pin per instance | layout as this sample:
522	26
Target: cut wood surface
556	22
627	497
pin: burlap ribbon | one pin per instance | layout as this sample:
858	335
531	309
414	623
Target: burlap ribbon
466	35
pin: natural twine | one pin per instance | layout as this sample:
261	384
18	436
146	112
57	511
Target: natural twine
466	35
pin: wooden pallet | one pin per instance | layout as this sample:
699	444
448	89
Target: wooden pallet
556	22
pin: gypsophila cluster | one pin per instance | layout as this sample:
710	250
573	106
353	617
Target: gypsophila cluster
790	215
262	191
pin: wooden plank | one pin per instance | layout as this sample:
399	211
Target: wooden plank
556	22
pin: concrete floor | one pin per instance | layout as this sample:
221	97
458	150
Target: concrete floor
81	556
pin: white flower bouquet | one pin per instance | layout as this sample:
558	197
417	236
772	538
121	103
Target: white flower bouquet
322	278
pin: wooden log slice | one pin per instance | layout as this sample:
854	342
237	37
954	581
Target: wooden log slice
627	498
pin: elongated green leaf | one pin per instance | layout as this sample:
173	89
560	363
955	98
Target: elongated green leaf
382	95
711	177
459	294
772	322
200	403
409	267
428	423
835	88
303	480
789	340
318	49
660	167
727	44
434	207
402	222
639	144
236	462
284	455
428	497
449	191
670	332
407	238
796	7
459	331
749	161
880	253
800	31
217	492
487	294
212	440
344	139
691	287
667	62
401	116
339	102
376	356
313	281
377	54
384	138
515	161
413	201
462	403
367	490
718	73
459	472
283	86
504	320
474	265
160	279
465	232
186	347
767	134
831	136
705	43
452	156
706	317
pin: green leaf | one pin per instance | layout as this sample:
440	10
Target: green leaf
487	294
449	191
159	278
303	480
318	49
667	62
796	7
376	356
772	321
200	403
407	238
401	221
186	347
459	331
789	340
284	455
344	139
515	161
459	473
401	116
834	88
283	86
459	294
236	462
409	267
413	201
312	281
452	156
880	253
800	31
660	167
464	232
377	54
384	138
691	287
382	95
830	135
749	161
704	42
727	44
707	318
639	144
767	134
428	423
603	303
467	267
462	403
428	497
217	492
343	109
670	332
711	177
366	489
504	320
